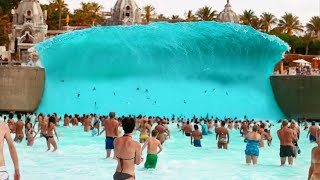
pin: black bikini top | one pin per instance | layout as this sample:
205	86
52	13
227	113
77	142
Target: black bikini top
125	159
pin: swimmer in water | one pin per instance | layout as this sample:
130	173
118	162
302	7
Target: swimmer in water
19	129
187	129
161	131
78	95
111	128
197	136
252	149
30	134
222	135
287	137
153	144
313	131
144	130
50	138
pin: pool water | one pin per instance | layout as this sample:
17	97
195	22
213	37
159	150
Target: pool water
81	156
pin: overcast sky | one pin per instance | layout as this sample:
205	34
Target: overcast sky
305	9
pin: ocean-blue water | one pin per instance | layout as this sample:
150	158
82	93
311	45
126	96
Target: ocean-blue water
162	69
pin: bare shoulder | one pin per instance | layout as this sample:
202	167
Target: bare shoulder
4	126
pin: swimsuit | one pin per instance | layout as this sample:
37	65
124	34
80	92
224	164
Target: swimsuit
312	138
121	175
252	148
286	151
151	161
3	173
109	142
144	136
222	141
197	143
188	134
48	137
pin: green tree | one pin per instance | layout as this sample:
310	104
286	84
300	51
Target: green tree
306	39
4	20
161	17
267	20
248	17
290	24
206	14
314	25
175	17
148	12
88	14
60	6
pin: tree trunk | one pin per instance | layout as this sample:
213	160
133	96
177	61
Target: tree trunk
60	19
307	49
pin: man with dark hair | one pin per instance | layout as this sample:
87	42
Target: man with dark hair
286	136
127	151
161	130
19	129
111	128
313	130
197	136
187	129
153	143
222	135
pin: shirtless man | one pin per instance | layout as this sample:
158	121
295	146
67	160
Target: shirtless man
111	129
262	134
5	135
127	151
153	144
287	137
236	125
161	131
11	123
187	129
244	128
19	129
313	130
87	124
210	127
222	135
197	136
314	170
306	126
66	120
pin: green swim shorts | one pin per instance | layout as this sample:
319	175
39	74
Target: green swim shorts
151	161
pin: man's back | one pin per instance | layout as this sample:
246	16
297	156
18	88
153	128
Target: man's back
19	127
153	145
111	127
286	136
313	130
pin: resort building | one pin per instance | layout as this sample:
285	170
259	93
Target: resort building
228	15
28	28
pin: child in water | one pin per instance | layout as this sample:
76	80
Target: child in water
153	143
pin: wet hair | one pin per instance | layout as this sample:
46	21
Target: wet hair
19	116
313	123
196	127
188	122
223	123
255	128
154	133
112	114
128	125
262	125
10	115
51	120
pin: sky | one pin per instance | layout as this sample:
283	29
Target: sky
304	9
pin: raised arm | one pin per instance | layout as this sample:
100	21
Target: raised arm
13	153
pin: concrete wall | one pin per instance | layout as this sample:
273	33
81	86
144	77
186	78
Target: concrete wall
21	88
298	96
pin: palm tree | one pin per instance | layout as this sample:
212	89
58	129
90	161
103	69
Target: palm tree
248	17
307	38
161	17
175	17
206	14
94	9
267	20
59	5
314	25
149	11
190	16
290	24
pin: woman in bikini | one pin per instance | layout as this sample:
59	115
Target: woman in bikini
31	134
127	152
50	138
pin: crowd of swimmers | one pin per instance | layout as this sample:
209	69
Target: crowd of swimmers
154	131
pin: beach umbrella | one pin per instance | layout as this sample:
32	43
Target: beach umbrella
302	62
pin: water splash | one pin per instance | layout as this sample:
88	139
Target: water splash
161	69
